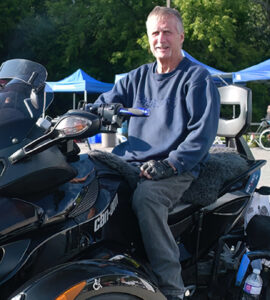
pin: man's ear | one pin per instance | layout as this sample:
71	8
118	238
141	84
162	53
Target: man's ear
182	37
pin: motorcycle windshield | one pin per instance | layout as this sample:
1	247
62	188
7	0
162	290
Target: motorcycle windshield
28	71
13	102
15	118
22	99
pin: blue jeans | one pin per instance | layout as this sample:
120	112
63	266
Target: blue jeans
151	203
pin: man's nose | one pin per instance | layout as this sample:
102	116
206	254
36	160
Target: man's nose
161	37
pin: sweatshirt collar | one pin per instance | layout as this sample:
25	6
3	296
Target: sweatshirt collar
162	76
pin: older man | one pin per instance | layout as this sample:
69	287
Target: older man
171	143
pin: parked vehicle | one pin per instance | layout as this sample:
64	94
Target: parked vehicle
66	231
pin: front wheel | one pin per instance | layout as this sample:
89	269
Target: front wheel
264	139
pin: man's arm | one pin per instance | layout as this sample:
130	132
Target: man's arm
118	94
203	105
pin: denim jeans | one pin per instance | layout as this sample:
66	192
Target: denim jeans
151	203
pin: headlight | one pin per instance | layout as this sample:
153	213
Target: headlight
73	125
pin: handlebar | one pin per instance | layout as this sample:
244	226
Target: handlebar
116	109
134	112
112	115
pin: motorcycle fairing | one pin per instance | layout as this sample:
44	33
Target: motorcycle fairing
11	257
16	215
38	174
66	200
55	242
100	277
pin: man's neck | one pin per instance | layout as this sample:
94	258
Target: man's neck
168	66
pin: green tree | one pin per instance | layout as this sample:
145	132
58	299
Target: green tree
119	26
12	12
102	37
260	24
221	32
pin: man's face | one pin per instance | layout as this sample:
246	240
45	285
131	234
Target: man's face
164	37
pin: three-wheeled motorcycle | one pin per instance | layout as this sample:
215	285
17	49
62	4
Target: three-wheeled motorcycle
66	229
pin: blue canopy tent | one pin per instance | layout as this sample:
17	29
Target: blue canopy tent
212	71
260	72
78	82
218	75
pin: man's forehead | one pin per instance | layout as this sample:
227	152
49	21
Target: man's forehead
163	21
161	18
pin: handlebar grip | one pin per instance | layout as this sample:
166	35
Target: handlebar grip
134	112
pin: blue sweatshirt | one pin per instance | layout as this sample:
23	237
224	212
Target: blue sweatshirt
184	112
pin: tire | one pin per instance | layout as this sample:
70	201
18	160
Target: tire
264	139
115	296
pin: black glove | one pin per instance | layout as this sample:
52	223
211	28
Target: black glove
158	169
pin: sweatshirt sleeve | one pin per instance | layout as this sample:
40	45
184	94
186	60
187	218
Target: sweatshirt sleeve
118	94
203	106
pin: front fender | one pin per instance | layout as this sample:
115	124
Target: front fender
98	276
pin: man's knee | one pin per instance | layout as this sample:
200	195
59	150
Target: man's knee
140	195
146	197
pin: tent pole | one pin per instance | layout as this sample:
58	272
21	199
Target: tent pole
85	96
74	100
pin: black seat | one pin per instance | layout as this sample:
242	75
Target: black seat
185	209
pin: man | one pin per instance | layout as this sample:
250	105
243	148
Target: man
171	143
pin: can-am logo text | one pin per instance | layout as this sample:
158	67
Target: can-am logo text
104	217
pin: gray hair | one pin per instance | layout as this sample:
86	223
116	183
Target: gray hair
160	11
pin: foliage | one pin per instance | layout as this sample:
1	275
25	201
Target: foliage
260	100
221	33
12	11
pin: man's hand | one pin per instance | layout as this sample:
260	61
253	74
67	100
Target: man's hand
156	170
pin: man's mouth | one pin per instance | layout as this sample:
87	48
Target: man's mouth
161	47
